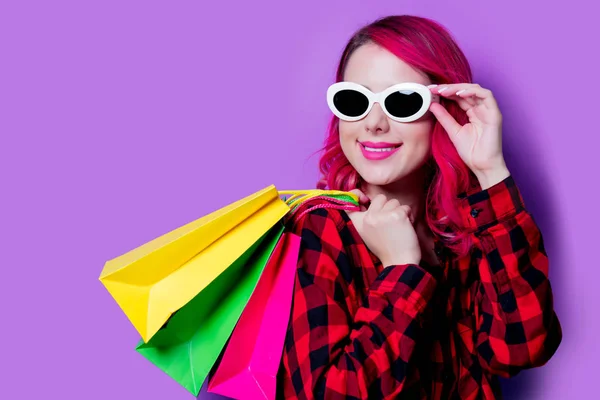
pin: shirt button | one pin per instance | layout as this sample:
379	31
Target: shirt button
474	212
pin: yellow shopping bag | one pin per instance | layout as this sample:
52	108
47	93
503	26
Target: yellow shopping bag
156	279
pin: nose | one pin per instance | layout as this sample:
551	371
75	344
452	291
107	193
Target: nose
376	121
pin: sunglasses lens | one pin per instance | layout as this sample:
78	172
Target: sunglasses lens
404	103
350	102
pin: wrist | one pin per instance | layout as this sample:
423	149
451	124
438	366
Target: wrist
487	179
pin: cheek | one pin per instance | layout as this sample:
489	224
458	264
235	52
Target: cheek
419	135
348	135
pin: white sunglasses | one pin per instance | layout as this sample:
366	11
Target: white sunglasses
403	102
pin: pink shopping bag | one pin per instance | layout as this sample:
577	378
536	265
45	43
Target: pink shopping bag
248	369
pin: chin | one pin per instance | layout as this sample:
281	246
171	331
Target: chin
382	179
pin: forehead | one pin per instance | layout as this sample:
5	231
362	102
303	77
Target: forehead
376	68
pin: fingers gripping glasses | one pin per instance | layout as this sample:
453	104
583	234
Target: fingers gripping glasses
403	102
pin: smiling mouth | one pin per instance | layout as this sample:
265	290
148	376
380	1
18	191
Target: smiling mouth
374	151
380	149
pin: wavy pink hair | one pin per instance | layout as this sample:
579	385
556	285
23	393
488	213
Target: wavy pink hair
426	46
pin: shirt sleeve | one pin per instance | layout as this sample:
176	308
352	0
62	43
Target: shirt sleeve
517	326
332	353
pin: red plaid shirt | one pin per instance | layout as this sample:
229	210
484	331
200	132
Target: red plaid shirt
360	331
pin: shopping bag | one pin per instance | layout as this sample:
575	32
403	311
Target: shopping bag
185	290
187	347
156	279
189	344
248	368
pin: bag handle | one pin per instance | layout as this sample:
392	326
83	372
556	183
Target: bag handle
341	200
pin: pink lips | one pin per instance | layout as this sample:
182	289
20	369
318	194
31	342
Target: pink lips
378	155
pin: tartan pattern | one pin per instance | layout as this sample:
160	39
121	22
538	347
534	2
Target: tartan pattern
360	331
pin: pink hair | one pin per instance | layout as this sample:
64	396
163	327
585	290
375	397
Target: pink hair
426	46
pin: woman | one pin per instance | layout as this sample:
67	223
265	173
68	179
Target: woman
439	284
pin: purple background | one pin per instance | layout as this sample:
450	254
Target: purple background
115	129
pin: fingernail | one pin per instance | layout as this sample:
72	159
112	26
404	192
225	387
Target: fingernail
431	86
442	89
460	91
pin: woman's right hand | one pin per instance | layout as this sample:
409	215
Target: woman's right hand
387	229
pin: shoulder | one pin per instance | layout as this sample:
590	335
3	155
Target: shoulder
325	255
323	225
319	216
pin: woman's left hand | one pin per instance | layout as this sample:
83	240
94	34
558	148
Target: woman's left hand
478	142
